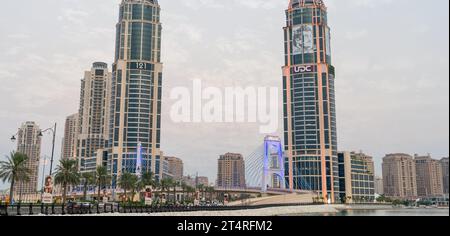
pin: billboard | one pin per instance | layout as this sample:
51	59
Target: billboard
48	186
302	39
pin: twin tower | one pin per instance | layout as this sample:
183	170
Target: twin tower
310	139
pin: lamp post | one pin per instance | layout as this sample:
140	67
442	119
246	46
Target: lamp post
53	130
43	176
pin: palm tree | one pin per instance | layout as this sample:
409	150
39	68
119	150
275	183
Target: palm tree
201	188
128	181
148	179
184	188
166	183
88	178
102	178
210	190
175	184
14	169
67	174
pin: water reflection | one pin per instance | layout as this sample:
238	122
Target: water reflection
393	212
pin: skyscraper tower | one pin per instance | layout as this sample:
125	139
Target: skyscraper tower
93	119
136	90
68	150
309	101
29	143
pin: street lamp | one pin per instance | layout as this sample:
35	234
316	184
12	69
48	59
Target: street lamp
53	130
13	137
43	176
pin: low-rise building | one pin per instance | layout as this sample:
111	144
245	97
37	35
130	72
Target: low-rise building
356	177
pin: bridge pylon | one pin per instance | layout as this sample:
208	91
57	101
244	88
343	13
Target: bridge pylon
273	176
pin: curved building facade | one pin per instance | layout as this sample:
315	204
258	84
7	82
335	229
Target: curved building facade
136	90
309	101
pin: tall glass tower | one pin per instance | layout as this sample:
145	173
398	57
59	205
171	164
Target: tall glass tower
309	101
135	121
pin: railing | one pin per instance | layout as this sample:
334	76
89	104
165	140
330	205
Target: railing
93	209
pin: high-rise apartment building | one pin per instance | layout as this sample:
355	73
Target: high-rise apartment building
231	171
93	119
429	176
445	177
399	176
29	143
356	177
309	100
136	90
70	137
174	167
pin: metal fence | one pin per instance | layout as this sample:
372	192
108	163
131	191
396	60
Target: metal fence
93	209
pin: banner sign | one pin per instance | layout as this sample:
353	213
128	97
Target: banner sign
303	69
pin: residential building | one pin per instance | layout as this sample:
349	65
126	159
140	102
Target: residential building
70	137
231	171
445	177
93	119
429	176
174	167
399	176
29	143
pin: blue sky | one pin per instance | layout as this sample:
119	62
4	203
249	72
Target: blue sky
391	59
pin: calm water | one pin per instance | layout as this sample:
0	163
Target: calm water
393	212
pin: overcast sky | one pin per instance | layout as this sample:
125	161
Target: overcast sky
391	59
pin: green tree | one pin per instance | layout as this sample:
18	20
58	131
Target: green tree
201	188
67	174
166	184
87	179
175	184
14	169
210	190
127	182
148	179
102	178
184	187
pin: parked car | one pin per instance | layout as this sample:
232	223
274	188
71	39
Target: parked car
77	207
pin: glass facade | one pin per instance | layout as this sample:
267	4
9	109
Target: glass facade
308	100
136	89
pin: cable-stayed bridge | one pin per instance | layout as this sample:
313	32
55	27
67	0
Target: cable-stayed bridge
265	170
